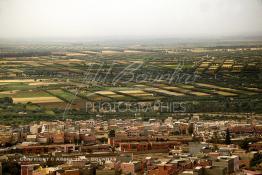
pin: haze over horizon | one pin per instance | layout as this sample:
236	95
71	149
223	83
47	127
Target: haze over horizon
129	18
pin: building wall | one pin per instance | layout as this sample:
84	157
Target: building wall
128	168
58	138
28	169
210	171
195	147
215	171
72	172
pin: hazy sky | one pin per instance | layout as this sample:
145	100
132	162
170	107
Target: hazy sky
128	18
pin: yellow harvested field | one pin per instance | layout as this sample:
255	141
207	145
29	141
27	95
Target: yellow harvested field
22	81
177	89
15	70
225	93
37	100
139	85
33	64
40	84
75	54
75	60
116	96
199	93
110	52
122	62
9	92
218	87
187	91
89	51
137	62
105	92
132	51
132	92
165	91
188	86
255	89
15	61
204	65
229	90
144	94
17	81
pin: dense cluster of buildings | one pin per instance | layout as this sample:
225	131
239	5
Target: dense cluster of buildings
131	146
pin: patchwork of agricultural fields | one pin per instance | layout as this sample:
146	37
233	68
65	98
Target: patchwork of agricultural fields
29	90
75	77
48	91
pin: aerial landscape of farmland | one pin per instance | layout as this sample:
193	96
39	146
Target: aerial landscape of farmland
55	78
